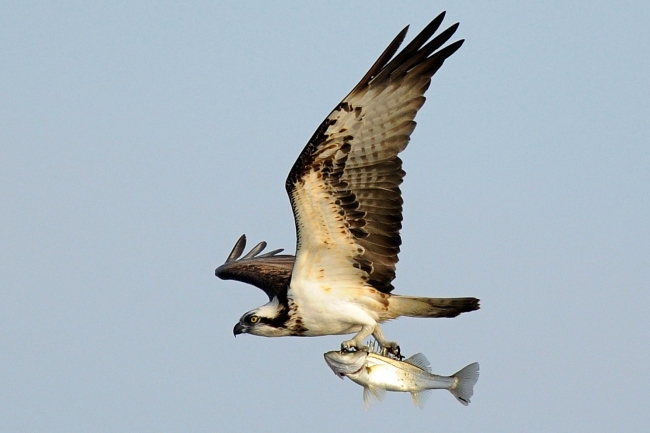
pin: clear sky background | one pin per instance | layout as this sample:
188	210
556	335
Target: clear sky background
139	140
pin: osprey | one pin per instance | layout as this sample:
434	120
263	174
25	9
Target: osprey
347	204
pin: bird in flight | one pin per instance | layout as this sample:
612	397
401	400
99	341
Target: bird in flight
347	205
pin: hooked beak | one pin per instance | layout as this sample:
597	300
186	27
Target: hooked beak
238	329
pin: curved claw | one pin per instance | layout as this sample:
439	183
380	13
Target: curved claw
392	349
349	345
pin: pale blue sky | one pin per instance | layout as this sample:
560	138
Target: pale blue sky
139	142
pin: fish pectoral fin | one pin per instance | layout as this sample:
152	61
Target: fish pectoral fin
419	398
371	393
379	393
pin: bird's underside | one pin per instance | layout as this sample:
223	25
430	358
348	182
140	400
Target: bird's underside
271	272
347	204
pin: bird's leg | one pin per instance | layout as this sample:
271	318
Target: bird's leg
387	347
357	341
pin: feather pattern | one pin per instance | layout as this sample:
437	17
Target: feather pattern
344	187
344	190
270	271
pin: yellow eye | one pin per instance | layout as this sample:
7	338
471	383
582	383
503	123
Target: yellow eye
254	319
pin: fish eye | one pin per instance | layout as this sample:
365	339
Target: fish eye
253	319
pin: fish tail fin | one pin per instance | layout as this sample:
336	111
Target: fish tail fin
413	306
467	378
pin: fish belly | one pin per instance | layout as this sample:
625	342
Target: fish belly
393	379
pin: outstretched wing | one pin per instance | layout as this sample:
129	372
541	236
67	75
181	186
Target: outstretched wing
270	271
344	187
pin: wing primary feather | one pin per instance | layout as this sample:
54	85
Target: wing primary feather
441	56
412	47
381	61
271	253
256	249
237	249
427	49
270	272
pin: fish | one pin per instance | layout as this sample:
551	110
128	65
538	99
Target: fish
378	374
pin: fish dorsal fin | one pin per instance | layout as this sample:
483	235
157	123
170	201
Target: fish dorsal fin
373	347
420	361
371	393
419	398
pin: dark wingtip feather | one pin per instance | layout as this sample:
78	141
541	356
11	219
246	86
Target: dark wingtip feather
255	250
271	253
382	60
237	249
451	48
412	49
425	51
270	272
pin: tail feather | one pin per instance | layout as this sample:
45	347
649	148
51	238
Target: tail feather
467	378
412	306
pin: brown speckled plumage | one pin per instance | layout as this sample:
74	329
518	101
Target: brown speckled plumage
344	190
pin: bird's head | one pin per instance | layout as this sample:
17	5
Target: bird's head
267	321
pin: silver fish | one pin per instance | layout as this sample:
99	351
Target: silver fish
378	374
